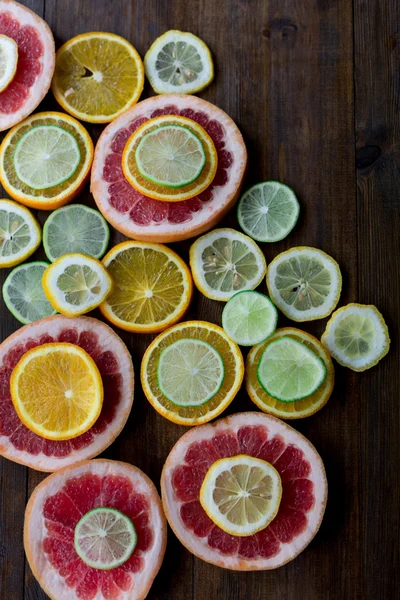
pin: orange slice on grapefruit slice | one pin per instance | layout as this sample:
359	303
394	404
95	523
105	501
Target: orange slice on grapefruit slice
161	192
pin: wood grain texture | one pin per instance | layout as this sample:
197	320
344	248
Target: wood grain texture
314	87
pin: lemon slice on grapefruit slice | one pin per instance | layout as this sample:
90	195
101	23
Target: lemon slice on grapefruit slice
97	76
179	62
357	336
152	287
299	408
8	61
57	391
241	494
233	372
168	137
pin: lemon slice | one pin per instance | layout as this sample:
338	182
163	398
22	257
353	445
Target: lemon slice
163	127
224	262
76	284
357	336
8	61
305	283
152	287
20	233
57	391
241	494
97	76
178	63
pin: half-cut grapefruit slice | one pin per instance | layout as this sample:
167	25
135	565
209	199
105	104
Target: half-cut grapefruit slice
20	444
146	219
35	65
302	506
56	507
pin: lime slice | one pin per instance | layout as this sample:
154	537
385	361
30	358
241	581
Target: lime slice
8	61
241	494
305	283
190	372
249	318
24	295
20	233
105	538
224	262
46	156
178	63
170	155
289	370
76	284
75	228
357	336
268	211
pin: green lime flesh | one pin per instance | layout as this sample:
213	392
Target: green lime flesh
268	211
170	156
24	295
46	156
190	372
249	318
288	370
75	229
105	538
178	63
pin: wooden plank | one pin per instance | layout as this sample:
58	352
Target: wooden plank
377	120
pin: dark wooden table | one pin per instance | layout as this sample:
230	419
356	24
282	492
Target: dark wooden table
314	86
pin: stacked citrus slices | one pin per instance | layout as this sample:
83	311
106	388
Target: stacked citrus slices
168	169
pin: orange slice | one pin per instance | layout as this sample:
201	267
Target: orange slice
97	76
159	192
57	391
299	408
57	195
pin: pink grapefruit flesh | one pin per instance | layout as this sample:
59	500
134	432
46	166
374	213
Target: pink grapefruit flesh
56	506
36	60
304	491
143	218
112	357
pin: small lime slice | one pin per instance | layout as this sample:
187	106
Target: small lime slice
46	156
170	155
249	318
190	372
24	295
289	370
75	228
268	211
105	538
179	62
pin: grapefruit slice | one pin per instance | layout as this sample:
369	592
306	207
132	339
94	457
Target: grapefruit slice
35	66
302	506
114	362
143	218
59	503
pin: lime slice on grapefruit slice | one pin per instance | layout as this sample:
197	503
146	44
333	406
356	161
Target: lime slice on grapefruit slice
268	211
178	62
224	262
289	370
305	283
24	295
105	538
298	409
249	318
46	156
357	336
241	494
171	155
8	61
75	228
190	372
